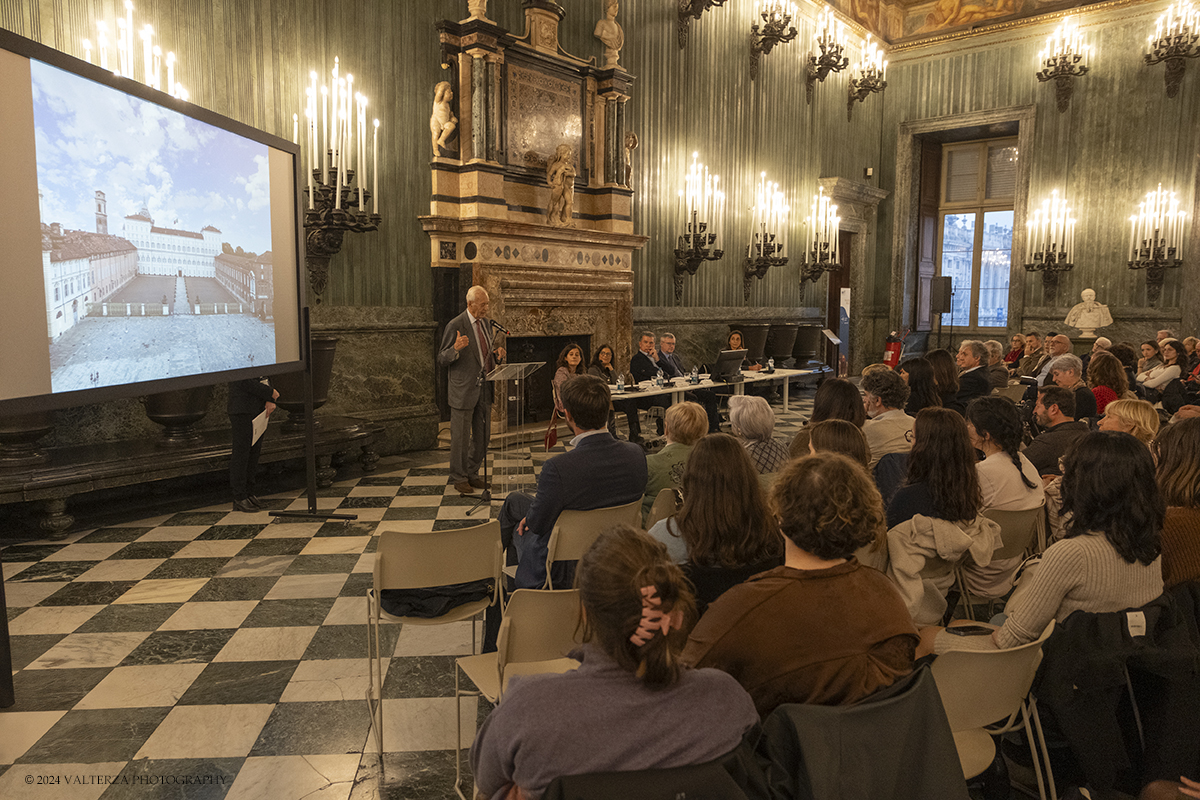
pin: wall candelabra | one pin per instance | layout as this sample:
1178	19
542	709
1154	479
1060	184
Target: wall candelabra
1050	243
821	251
1176	38
830	39
776	16
703	204
1064	58
335	152
868	76
768	233
1156	234
690	10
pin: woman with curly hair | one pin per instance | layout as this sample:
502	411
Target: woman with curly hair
1178	451
941	480
836	398
922	389
945	376
1106	378
631	693
822	628
723	533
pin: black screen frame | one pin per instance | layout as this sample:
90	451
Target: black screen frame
21	46
729	363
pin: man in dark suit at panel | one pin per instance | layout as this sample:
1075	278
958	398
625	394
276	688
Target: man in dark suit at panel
705	397
247	399
973	381
468	354
644	366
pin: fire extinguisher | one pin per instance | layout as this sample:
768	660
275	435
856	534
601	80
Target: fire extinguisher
892	349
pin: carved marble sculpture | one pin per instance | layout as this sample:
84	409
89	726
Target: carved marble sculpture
1089	315
631	143
609	31
478	9
442	122
560	174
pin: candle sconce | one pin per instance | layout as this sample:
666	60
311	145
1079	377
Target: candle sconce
690	10
868	77
768	234
1050	244
821	252
1176	38
1156	239
326	222
1064	59
831	39
777	28
703	204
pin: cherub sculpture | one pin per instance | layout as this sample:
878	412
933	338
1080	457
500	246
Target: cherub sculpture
560	174
442	122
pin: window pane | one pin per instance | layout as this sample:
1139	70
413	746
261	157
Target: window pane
1001	172
958	243
995	263
962	175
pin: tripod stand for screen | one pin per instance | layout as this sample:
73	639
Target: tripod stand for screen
509	378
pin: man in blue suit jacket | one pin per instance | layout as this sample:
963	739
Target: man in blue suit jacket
598	472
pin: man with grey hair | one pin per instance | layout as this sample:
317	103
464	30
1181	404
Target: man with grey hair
973	379
705	397
997	369
889	429
1165	334
468	353
1102	345
1067	371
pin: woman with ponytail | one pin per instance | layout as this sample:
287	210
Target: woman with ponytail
632	704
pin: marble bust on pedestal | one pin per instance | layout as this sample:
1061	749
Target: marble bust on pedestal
1089	315
611	34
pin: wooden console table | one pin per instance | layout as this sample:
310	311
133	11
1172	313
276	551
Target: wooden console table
87	468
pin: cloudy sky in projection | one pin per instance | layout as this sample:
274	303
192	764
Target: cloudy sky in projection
187	173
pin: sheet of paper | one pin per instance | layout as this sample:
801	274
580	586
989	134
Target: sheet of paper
260	427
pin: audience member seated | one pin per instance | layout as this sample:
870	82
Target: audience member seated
1109	560
945	377
889	429
839	436
722	533
597	472
836	398
922	390
1189	347
1165	333
1178	451
1055	415
632	704
973	381
602	368
1102	345
570	365
684	425
1057	345
941	481
752	420
1156	378
1031	363
1151	356
1016	351
1067	371
1127	354
822	628
996	368
1107	379
1135	417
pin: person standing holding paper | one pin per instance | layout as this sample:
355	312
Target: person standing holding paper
248	400
468	354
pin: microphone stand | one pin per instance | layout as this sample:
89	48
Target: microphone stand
486	496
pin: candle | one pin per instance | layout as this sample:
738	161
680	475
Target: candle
362	146
146	34
309	171
375	168
325	134
122	51
349	112
1132	234
170	72
155	74
87	50
295	129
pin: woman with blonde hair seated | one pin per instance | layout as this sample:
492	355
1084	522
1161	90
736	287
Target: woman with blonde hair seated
822	628
1136	417
752	420
633	704
683	426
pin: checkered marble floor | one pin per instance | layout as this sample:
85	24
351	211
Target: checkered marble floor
214	654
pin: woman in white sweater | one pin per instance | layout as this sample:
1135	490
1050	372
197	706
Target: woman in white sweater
1109	559
1173	356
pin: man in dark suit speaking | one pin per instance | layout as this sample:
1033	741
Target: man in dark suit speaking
468	354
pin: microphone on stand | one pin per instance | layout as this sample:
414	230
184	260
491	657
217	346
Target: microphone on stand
496	326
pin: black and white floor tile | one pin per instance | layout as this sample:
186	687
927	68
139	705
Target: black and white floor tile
213	654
